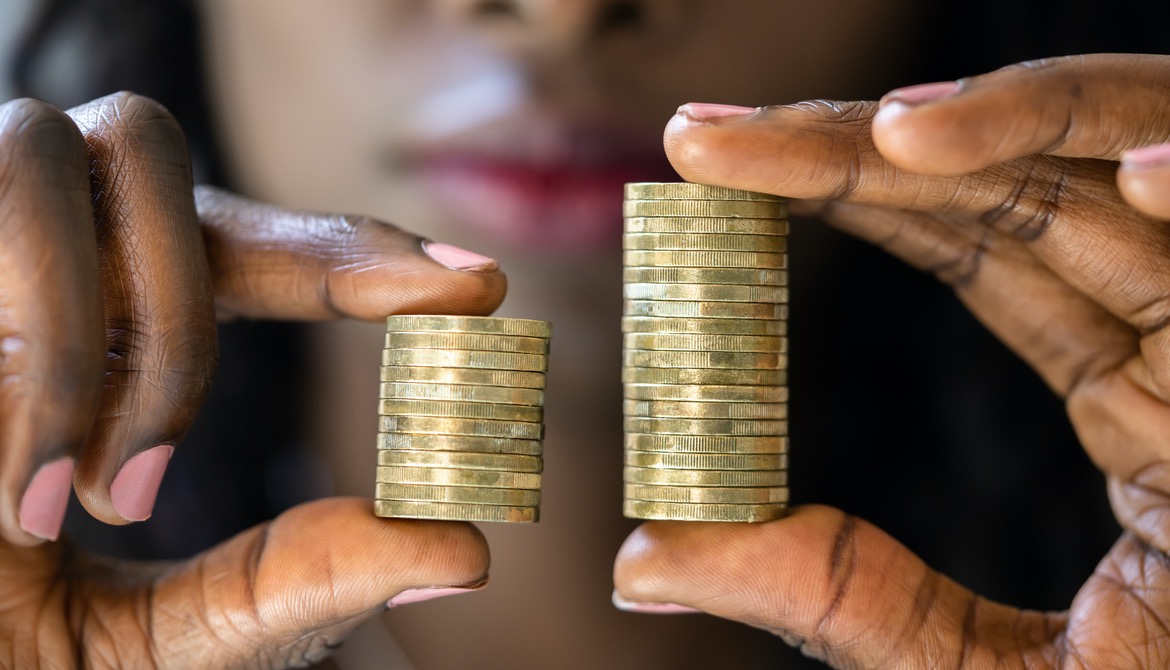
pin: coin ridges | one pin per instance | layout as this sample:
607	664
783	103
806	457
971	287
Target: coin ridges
705	242
705	208
452	426
464	376
705	326
473	443
457	358
455	409
461	459
505	395
649	358
480	495
694	309
705	292
467	341
413	474
707	444
455	511
720	478
717	376
470	324
745	427
683	275
700	342
642	509
749	462
706	393
705	410
701	225
706	259
742	495
683	190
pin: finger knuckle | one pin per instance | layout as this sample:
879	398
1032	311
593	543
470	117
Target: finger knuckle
1033	195
128	120
28	123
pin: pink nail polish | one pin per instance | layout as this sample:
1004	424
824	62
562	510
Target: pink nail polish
921	94
136	486
42	508
458	259
651	608
420	595
705	111
1145	158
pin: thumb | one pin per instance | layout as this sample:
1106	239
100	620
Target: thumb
267	262
835	586
285	593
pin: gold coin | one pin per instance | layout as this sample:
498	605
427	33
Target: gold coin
504	395
461	459
725	226
478	495
411	509
705	208
486	445
642	358
640	424
464	376
457	477
644	509
518	430
742	495
464	410
705	292
656	459
705	410
715	376
720	478
684	190
698	342
690	309
468	342
456	358
706	444
703	326
705	242
706	393
705	259
493	325
675	275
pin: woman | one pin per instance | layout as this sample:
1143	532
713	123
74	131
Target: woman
331	111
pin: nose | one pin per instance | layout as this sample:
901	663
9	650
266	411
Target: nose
564	25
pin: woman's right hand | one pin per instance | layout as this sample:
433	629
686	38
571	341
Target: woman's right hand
114	270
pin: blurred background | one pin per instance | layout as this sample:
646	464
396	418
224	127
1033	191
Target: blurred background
506	127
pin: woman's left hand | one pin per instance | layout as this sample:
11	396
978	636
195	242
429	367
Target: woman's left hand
1007	187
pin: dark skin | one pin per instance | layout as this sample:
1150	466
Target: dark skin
1010	191
114	270
992	223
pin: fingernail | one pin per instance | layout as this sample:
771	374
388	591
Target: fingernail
458	259
1154	156
651	608
921	94
42	509
420	595
135	488
706	111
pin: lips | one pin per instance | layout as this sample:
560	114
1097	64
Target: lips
573	203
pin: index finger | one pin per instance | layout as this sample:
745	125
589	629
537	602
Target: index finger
1093	106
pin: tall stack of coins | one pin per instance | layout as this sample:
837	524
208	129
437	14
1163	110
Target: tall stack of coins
705	353
461	418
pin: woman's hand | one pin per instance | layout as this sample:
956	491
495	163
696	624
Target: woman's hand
1005	186
113	271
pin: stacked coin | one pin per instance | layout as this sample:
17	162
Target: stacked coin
461	416
705	353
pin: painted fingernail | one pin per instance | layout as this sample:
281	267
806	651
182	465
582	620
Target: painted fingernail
459	259
921	94
1144	158
42	509
135	488
651	608
420	595
706	111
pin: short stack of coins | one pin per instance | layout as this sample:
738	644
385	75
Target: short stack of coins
705	353
461	414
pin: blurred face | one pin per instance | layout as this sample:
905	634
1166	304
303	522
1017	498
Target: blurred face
506	126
